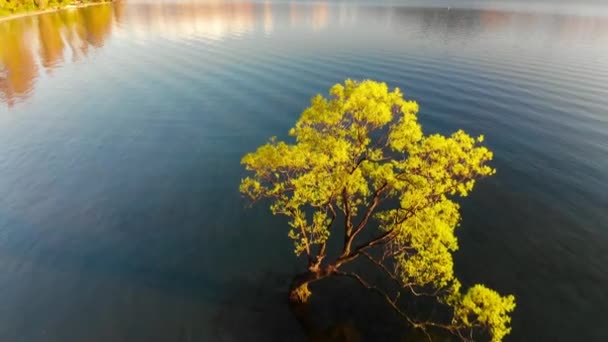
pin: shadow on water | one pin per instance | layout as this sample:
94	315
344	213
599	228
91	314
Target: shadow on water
255	309
340	311
250	306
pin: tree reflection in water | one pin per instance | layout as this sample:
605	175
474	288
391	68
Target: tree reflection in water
42	40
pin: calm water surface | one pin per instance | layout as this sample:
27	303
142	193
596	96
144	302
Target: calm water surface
122	127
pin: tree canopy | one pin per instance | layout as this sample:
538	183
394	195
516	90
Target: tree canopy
361	162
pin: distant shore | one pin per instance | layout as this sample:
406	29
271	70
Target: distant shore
55	9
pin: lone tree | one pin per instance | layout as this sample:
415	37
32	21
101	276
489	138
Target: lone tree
362	171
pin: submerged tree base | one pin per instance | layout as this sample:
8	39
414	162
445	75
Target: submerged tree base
299	294
299	291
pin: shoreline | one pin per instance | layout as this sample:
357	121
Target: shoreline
50	10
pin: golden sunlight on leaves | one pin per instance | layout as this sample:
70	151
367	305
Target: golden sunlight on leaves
360	155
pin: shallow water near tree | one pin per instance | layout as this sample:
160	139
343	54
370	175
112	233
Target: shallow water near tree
122	127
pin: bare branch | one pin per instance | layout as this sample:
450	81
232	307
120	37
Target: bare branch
370	211
382	267
391	302
388	253
347	217
456	329
304	238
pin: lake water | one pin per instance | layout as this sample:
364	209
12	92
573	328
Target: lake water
122	127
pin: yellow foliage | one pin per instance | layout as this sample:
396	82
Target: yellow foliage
363	144
481	305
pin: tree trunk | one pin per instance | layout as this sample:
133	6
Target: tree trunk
298	290
298	296
299	293
41	3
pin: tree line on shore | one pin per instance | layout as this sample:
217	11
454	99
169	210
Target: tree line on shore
8	7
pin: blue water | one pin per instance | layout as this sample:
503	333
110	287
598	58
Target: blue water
122	128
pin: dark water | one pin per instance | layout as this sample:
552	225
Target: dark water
122	127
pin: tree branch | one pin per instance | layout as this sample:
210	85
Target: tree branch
382	267
348	226
353	255
391	302
392	252
455	329
304	237
321	254
368	214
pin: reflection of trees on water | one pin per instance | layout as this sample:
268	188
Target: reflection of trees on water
460	25
51	39
43	40
212	20
435	23
17	59
97	23
51	42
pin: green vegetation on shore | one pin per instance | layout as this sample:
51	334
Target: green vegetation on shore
12	7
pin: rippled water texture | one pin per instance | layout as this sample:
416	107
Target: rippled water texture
122	127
